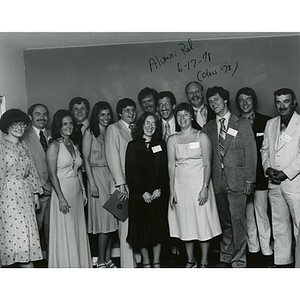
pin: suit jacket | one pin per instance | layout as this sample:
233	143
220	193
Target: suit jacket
39	155
258	128
283	152
240	156
116	140
210	116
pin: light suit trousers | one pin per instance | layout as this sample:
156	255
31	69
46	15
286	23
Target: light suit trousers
258	224
285	204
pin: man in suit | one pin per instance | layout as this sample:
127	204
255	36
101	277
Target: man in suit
257	220
195	95
146	98
80	108
233	174
118	135
281	162
37	138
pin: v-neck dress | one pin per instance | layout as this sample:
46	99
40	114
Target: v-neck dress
68	241
189	220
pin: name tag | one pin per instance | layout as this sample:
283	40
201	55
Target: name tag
285	137
156	148
194	145
232	132
259	134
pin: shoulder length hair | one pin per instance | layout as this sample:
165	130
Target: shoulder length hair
137	132
57	124
94	121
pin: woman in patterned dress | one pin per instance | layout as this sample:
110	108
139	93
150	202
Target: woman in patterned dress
19	189
100	221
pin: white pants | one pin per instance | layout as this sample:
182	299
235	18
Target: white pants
127	256
258	224
284	205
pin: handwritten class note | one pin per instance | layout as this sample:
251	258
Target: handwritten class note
187	56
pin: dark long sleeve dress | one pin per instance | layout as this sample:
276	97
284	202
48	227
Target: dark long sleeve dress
147	170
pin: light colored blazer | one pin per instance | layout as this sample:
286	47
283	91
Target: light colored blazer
240	157
39	155
283	152
116	140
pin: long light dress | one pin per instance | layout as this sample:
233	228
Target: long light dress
189	220
100	220
68	240
19	235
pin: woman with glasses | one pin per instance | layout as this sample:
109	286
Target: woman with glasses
19	189
68	239
146	169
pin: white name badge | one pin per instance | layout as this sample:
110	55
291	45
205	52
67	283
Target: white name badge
232	132
285	137
194	145
156	148
259	134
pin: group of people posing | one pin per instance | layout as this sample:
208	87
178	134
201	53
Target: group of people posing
190	172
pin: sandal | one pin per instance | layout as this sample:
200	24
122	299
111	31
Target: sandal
204	265
156	265
192	264
110	264
101	266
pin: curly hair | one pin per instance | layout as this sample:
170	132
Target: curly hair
13	115
137	132
57	124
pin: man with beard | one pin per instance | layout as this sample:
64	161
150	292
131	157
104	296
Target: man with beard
37	138
146	99
195	95
281	162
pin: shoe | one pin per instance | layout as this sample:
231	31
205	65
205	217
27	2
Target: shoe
203	265
156	265
148	265
110	264
268	260
192	264
100	266
223	264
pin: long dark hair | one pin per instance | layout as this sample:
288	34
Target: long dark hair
137	132
94	121
57	124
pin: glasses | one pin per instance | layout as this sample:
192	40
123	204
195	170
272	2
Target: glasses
164	105
18	125
150	124
129	110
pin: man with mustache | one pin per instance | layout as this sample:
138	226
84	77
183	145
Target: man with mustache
37	138
146	99
195	95
281	162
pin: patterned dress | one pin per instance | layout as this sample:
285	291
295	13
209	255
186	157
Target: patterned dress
19	236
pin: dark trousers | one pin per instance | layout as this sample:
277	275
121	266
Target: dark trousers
232	212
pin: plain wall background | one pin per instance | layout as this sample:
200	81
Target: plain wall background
109	73
12	77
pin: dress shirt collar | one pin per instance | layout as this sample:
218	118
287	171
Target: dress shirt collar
37	131
226	117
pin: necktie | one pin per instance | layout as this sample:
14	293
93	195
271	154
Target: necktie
43	140
167	131
79	137
222	136
131	126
